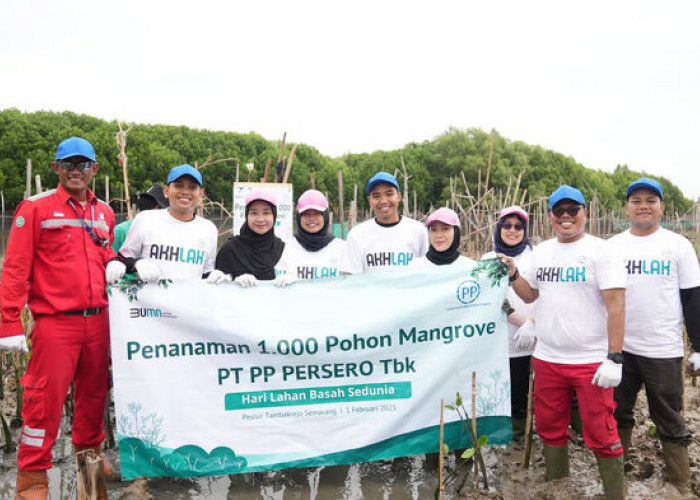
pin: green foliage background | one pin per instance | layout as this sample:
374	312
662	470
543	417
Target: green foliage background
154	149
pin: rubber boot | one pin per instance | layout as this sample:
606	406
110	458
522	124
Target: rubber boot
101	486
556	461
32	485
612	473
625	434
518	428
677	465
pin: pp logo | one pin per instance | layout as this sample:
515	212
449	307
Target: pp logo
468	291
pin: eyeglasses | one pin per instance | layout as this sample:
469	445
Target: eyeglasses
572	210
83	166
509	225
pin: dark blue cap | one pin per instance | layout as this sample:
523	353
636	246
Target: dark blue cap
565	192
645	183
75	146
185	169
382	177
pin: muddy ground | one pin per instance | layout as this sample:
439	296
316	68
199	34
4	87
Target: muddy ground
408	478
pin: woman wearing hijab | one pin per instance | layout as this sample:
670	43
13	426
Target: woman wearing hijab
313	253
252	255
444	236
510	238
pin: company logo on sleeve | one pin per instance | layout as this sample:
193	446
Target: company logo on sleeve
468	291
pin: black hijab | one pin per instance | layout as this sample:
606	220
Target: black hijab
448	256
313	242
510	251
250	252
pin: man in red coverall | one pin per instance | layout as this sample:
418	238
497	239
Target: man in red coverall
55	261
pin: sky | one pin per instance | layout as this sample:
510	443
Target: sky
606	82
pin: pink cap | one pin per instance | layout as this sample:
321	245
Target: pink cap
312	200
261	194
445	215
514	210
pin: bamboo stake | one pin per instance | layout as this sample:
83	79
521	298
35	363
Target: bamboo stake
107	189
267	170
341	209
312	179
405	187
528	420
37	183
440	453
289	164
476	436
28	188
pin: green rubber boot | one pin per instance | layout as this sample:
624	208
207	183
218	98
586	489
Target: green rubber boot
677	465
518	428
612	473
556	461
625	434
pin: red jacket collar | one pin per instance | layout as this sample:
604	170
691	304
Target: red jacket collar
63	195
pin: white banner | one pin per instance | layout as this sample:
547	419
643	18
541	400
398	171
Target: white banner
213	380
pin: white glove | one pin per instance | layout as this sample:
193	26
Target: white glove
14	343
608	374
694	361
148	270
246	280
114	271
283	280
216	277
525	338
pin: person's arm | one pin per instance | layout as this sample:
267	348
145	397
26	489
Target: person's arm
519	284
615	304
690	300
17	268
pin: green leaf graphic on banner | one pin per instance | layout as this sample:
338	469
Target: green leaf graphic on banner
495	270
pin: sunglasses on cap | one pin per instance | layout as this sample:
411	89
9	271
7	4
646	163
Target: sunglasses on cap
509	225
572	210
83	166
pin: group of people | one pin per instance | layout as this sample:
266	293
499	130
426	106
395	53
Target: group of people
588	314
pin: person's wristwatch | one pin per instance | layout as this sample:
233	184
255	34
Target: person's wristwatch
616	357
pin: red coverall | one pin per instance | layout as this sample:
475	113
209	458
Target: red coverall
53	263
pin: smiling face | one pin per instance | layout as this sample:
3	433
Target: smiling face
260	217
441	235
568	220
184	195
311	221
72	177
512	230
384	200
644	208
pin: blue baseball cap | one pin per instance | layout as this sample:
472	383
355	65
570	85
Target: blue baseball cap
382	177
565	192
185	169
75	146
645	183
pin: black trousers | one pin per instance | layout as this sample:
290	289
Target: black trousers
663	383
519	377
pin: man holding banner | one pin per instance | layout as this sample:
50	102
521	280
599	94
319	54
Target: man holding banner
580	284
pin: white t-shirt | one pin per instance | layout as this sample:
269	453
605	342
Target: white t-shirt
527	310
182	250
420	262
658	267
302	264
372	247
571	322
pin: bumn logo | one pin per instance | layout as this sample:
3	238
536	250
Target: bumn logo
149	312
468	291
